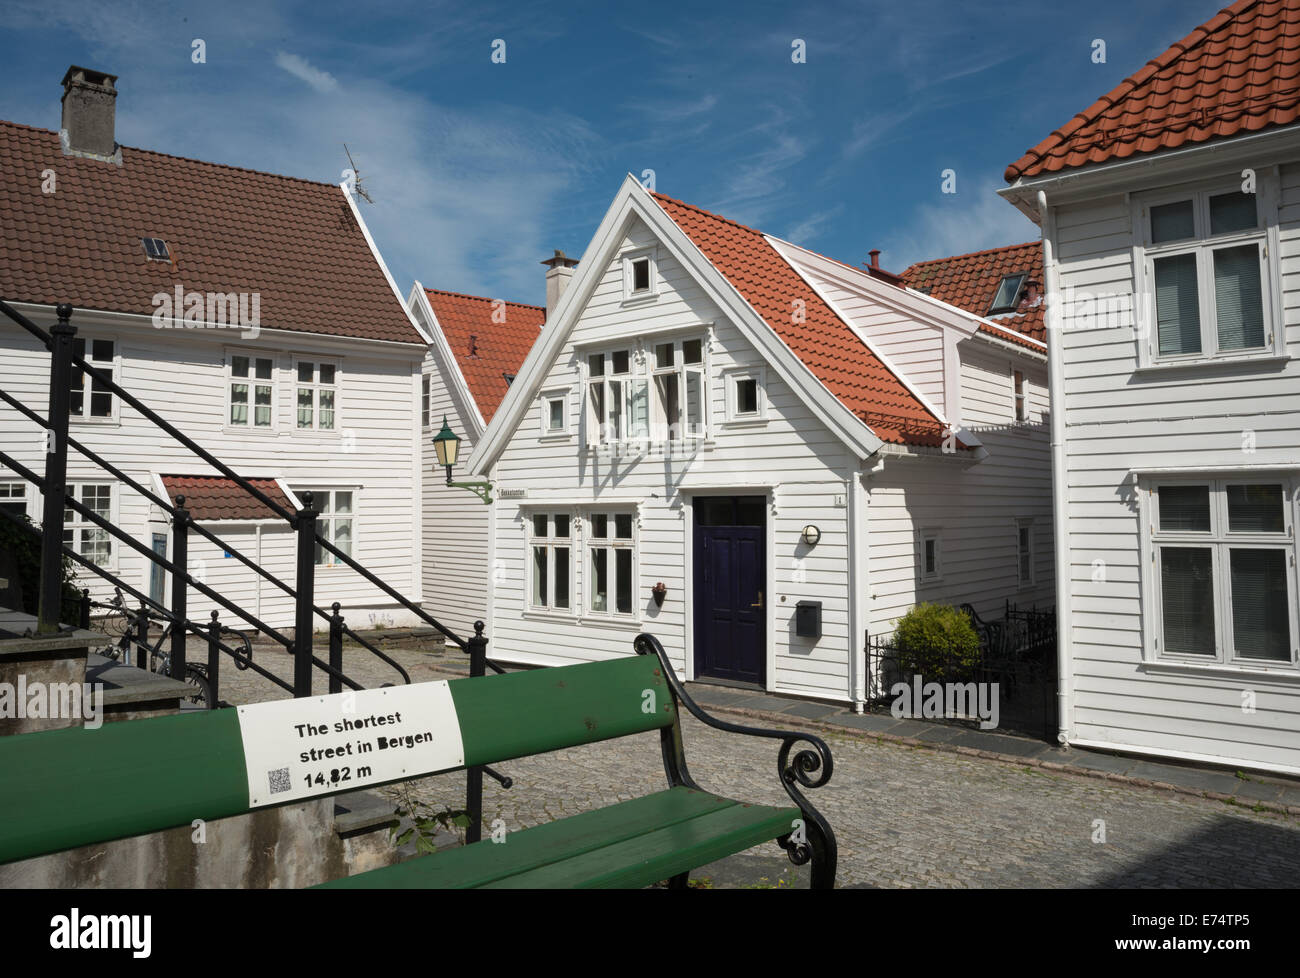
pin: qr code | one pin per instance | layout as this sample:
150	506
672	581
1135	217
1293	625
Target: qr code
279	779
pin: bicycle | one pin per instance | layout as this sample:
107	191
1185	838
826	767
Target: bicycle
159	661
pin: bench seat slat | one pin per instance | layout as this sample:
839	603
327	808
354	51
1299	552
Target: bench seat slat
60	789
622	845
520	714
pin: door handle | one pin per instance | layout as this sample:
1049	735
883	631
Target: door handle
759	604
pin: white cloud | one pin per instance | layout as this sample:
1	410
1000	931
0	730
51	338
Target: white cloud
959	224
299	67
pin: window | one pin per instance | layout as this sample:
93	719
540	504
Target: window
315	394
1024	553
625	404
550	565
91	397
424	401
744	396
252	391
156	249
930	562
1021	394
13	498
80	533
1006	299
1223	572
639	278
1207	280
335	522
612	555
555	413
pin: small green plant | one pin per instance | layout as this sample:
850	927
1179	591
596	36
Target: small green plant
22	545
937	641
425	820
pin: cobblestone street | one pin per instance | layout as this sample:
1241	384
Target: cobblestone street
904	816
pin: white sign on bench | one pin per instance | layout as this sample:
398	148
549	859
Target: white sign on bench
318	745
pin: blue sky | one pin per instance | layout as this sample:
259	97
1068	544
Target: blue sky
478	170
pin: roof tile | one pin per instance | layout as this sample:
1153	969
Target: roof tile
210	497
971	281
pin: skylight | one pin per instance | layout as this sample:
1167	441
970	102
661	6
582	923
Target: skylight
156	249
1008	292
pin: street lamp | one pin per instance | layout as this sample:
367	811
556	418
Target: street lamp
447	447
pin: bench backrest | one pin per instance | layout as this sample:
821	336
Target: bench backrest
60	789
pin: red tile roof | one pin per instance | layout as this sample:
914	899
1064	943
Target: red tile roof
211	497
971	281
485	350
294	242
1237	73
824	342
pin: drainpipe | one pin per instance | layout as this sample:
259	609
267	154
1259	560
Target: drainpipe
1060	488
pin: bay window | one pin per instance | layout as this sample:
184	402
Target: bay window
1208	293
1223	566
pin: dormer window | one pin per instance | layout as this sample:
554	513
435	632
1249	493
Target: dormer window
1007	296
156	249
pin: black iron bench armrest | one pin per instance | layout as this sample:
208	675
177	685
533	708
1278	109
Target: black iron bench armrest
807	769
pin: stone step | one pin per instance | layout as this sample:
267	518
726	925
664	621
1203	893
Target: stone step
131	693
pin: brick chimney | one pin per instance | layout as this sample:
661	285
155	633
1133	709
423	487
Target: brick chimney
89	100
558	273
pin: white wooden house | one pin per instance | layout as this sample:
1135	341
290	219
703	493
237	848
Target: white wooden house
478	346
306	378
1170	211
727	415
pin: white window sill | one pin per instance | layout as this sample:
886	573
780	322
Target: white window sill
640	298
77	419
1281	673
756	421
236	429
541	614
556	436
1212	363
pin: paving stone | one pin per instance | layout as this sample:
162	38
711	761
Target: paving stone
1000	743
1191	777
1110	763
813	711
937	734
870	721
1257	791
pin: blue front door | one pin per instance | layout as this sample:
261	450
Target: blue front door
730	575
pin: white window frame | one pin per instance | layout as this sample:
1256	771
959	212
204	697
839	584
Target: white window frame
251	382
731	379
1027	525
87	383
426	401
922	536
1020	395
563	395
77	524
1203	245
316	386
550	541
1219	541
324	504
7	487
612	543
627	259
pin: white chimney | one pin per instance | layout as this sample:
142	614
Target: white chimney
559	272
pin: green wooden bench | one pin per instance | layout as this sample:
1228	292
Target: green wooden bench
68	788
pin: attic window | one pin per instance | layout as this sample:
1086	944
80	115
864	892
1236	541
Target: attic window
1008	293
510	378
641	275
156	249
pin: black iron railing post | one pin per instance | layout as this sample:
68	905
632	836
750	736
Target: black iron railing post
336	649
84	617
477	648
214	658
142	638
306	589
180	563
62	336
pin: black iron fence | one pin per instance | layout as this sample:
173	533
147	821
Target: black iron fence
1015	662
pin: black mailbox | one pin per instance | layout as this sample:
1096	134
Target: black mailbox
808	619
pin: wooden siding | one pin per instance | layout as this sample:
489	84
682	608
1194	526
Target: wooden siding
1117	420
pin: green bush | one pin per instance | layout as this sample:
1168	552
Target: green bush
937	641
23	549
